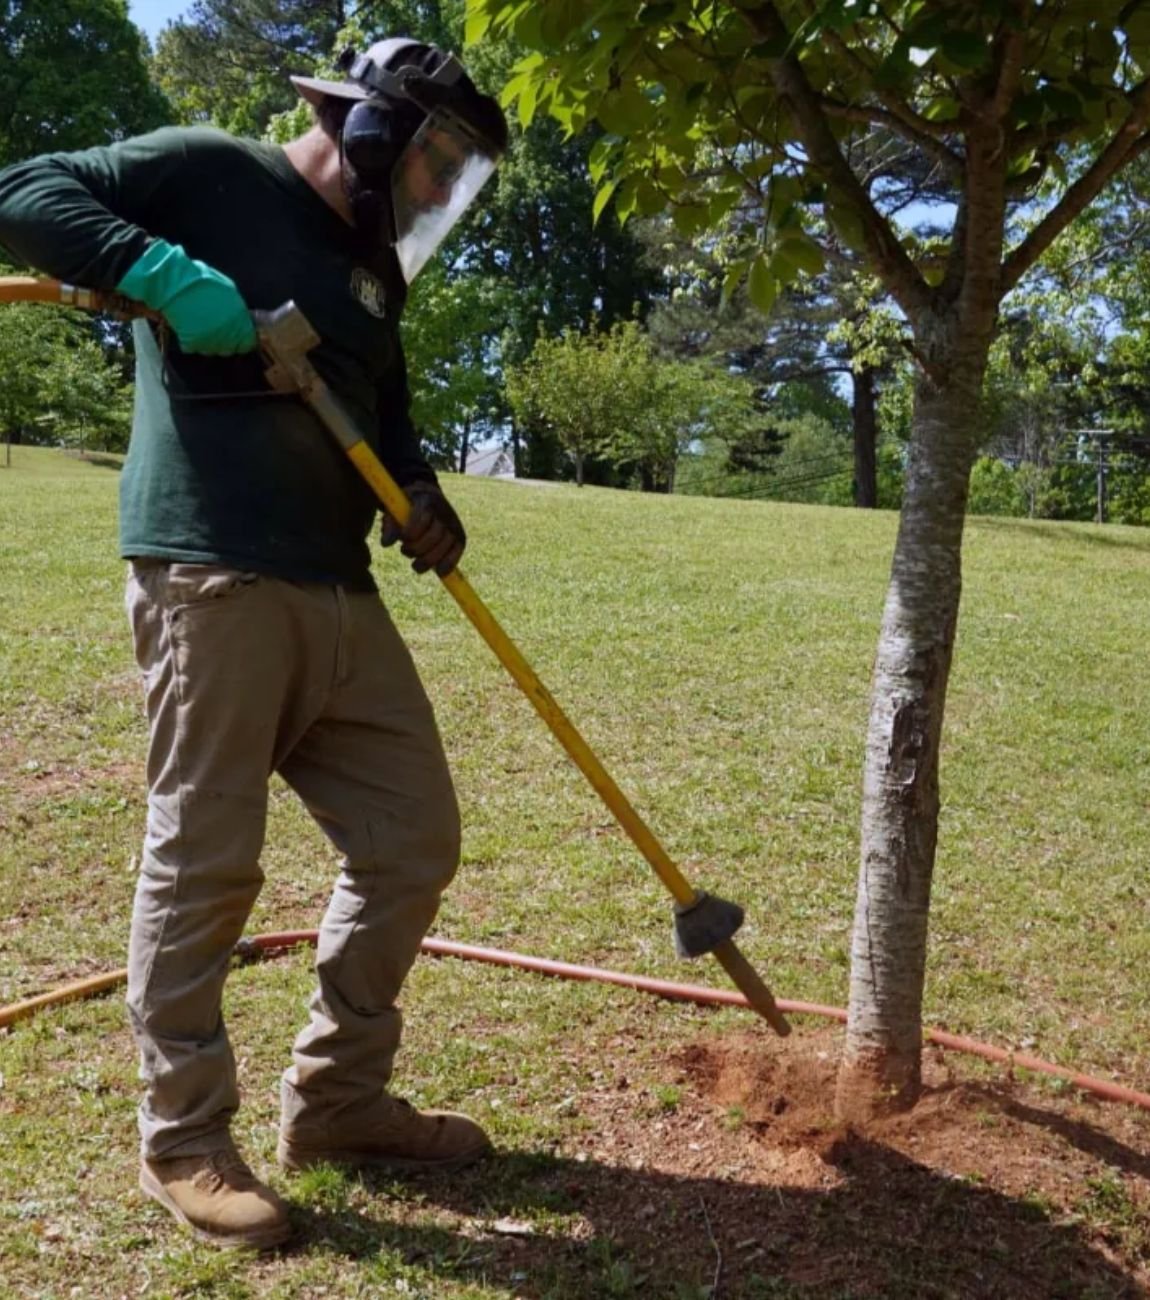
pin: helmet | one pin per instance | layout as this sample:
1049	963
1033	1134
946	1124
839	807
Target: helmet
419	132
368	74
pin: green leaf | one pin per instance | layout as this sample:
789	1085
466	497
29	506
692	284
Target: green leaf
783	194
1137	28
477	23
558	19
840	15
733	278
528	25
602	198
846	223
927	30
599	158
514	88
803	254
626	200
1028	109
625	110
1102	47
690	218
649	199
720	204
762	285
942	109
1021	163
1062	103
896	71
528	97
967	50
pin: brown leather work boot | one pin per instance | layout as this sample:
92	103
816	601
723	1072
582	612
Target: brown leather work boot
386	1132
219	1198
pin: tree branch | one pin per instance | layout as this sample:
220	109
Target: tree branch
898	273
915	126
929	144
1009	69
1129	142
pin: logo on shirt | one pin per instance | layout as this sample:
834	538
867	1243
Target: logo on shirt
369	291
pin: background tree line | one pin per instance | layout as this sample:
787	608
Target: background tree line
509	335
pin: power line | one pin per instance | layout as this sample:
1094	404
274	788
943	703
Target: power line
779	487
810	481
833	458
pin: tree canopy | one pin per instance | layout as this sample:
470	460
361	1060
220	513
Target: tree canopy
227	62
72	73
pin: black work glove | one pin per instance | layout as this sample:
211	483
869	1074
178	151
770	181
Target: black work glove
434	537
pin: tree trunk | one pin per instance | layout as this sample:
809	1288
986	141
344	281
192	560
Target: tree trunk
578	469
865	439
516	450
465	445
881	1069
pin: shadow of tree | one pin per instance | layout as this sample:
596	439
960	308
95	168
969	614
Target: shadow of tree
885	1226
1068	536
101	461
1085	1137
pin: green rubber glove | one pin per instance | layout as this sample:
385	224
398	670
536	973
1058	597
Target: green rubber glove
202	305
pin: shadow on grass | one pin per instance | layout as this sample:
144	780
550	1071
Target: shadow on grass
1048	530
888	1227
1083	1136
101	461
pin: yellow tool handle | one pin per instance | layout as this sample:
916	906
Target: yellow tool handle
295	374
743	975
395	502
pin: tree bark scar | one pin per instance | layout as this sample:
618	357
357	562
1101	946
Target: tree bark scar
907	741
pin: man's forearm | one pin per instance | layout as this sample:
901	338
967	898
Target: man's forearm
52	221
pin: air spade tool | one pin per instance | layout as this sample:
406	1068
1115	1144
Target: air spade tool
702	922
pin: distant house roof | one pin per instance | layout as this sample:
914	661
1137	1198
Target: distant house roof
491	462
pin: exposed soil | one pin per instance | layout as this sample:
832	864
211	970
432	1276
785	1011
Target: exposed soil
733	1179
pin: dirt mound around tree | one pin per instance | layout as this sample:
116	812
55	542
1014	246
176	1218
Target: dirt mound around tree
994	1185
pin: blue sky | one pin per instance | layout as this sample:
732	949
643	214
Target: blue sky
151	16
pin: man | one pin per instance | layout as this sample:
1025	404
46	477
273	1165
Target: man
263	644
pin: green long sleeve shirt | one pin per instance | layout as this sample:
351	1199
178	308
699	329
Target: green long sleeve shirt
220	469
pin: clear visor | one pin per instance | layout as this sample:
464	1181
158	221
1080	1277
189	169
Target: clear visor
432	185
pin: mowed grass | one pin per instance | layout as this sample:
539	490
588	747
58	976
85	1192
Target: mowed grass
717	655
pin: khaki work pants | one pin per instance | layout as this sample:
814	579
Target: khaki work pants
248	675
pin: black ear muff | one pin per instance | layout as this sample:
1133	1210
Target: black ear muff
368	140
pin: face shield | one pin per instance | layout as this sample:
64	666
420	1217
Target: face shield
433	183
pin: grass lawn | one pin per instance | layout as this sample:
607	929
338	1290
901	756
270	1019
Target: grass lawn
717	656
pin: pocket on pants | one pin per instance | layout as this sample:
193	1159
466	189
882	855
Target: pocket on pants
188	585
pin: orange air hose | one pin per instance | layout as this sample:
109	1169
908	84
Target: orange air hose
27	288
281	939
36	289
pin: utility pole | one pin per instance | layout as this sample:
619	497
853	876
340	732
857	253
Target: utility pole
1102	466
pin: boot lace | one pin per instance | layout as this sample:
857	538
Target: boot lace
222	1169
